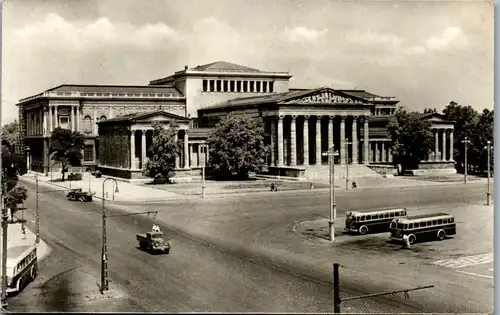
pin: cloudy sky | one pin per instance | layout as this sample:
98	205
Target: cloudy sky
425	53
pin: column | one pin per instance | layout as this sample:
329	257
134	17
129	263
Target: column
177	155
436	143
366	155
330	132
143	148
443	154
355	142
72	109
206	153
45	122
186	149
371	157
273	157
384	157
198	155
318	140
45	155
306	140
343	148
110	114
293	142
56	115
389	155
94	126
132	149
77	109
377	152
50	119
451	146
280	140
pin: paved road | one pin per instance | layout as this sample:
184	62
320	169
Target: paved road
194	277
262	226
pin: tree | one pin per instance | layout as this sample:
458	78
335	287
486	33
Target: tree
483	133
237	147
13	166
66	148
163	151
9	136
411	138
14	197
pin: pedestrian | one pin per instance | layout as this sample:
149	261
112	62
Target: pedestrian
354	184
272	187
311	186
406	242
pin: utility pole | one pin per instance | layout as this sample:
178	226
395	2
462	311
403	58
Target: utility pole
466	142
333	207
347	142
104	258
37	213
488	189
336	288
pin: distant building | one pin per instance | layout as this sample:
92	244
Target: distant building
300	123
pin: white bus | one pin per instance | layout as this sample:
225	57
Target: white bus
22	264
424	227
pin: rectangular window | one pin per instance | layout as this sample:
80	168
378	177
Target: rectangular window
271	86
225	86
362	218
411	226
264	86
219	85
205	85
434	222
64	122
231	86
88	153
252	86
258	86
440	221
212	85
368	217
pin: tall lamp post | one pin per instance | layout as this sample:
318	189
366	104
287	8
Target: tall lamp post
466	143
333	207
104	264
488	190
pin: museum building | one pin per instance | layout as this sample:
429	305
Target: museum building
300	124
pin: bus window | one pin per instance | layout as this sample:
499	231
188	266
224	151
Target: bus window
400	226
451	220
392	214
417	224
406	226
411	226
357	219
362	218
381	216
440	221
393	225
368	217
386	215
434	222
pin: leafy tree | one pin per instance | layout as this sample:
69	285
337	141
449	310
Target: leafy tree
237	147
163	151
483	134
9	136
14	197
411	138
13	166
66	148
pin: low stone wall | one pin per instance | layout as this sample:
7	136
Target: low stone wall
383	169
287	171
434	168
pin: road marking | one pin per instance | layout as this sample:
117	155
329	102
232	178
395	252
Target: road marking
465	261
474	274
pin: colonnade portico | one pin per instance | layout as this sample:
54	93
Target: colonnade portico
294	137
51	117
443	145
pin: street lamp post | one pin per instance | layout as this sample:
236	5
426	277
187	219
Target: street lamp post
466	142
333	207
5	217
488	190
104	265
89	173
37	212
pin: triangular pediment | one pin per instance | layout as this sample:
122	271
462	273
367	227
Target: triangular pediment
436	117
157	116
323	96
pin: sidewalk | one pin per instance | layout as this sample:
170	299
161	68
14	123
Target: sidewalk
127	192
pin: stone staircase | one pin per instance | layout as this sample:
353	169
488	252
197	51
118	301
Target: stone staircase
320	173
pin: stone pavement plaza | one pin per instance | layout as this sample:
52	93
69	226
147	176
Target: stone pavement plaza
143	193
15	237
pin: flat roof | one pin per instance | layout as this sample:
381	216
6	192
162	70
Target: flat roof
377	210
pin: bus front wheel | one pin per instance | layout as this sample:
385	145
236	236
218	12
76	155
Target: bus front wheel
412	239
441	235
363	230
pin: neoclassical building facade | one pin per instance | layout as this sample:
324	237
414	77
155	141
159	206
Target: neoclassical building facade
300	124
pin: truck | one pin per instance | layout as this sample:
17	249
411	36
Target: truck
154	242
